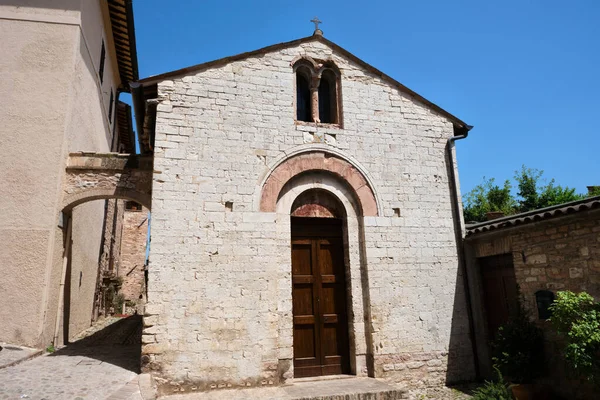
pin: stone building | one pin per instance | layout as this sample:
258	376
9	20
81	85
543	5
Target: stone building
63	65
133	256
526	258
121	283
306	222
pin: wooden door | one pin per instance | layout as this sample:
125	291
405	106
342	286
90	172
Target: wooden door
319	298
499	290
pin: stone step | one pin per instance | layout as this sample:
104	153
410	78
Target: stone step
343	389
306	389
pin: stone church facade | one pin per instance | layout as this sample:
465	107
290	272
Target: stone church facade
304	222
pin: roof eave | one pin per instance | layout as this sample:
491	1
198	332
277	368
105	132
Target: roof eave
122	23
541	214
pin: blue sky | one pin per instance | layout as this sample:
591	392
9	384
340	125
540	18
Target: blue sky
525	73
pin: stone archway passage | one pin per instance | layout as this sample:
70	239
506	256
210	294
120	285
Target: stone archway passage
92	176
317	161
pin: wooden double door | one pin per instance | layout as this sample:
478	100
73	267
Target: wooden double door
319	298
500	293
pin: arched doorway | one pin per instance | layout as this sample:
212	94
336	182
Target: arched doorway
321	203
313	182
95	229
320	311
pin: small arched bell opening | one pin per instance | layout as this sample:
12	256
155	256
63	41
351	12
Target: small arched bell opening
328	101
303	96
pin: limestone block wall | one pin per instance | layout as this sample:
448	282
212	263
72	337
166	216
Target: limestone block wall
219	293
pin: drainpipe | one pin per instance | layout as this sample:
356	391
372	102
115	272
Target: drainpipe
139	108
61	291
462	133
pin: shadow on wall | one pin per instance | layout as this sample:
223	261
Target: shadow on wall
462	363
119	344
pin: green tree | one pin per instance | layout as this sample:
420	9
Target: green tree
487	197
533	194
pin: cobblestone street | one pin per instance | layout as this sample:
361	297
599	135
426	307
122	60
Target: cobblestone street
104	365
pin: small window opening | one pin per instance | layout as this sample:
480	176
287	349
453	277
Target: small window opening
110	105
102	59
133	206
303	100
544	298
327	98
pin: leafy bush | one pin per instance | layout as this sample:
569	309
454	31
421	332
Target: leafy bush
518	350
493	390
576	316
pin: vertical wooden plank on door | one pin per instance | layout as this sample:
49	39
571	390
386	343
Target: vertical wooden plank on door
333	307
306	336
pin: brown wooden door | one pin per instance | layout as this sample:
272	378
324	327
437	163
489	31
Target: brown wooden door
319	299
499	290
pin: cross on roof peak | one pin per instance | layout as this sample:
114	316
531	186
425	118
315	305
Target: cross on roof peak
317	21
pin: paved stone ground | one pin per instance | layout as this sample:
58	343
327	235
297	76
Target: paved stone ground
104	365
10	354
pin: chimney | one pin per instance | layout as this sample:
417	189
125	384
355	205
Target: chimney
494	215
593	189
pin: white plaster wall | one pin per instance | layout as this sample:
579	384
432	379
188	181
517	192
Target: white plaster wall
36	66
87	234
214	288
53	104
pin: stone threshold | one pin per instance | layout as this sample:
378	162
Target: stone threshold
318	379
334	388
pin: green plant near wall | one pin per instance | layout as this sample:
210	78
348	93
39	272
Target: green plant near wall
576	316
118	302
518	350
493	390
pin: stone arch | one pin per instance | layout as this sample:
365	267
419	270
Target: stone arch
93	176
72	200
319	160
305	60
318	203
